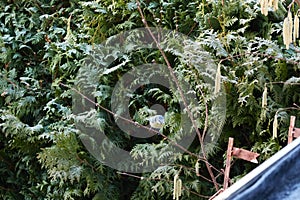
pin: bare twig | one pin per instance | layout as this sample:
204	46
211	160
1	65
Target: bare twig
193	169
192	29
9	81
260	54
281	82
292	3
294	104
7	189
206	117
180	92
85	162
287	108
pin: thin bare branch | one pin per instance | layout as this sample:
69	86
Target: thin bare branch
208	166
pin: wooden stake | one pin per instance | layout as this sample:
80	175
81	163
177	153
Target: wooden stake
228	163
291	129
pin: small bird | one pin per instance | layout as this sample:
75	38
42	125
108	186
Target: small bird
156	121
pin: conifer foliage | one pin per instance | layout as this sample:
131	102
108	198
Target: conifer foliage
44	43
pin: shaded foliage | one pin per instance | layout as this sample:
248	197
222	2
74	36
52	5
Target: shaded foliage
44	43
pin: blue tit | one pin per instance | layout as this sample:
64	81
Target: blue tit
156	121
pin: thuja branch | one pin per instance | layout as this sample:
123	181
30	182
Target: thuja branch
180	92
160	179
136	124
